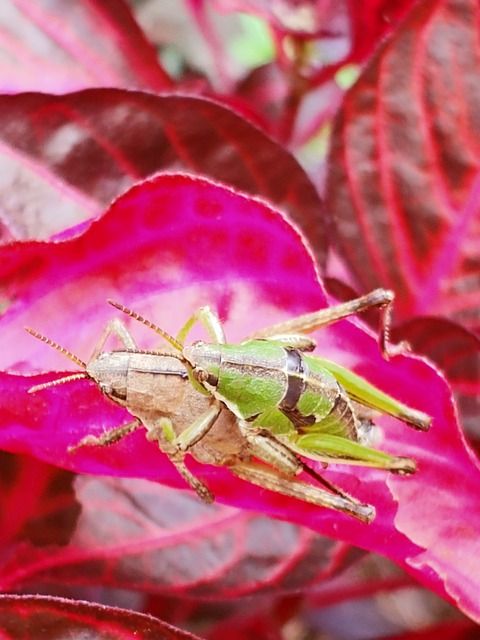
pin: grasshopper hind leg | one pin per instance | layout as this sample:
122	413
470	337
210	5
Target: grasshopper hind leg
271	479
284	466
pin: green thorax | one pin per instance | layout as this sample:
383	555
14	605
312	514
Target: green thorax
261	376
252	377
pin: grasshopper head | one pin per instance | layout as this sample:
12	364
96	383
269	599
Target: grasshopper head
205	361
109	371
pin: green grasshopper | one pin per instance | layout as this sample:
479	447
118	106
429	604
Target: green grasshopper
317	408
156	390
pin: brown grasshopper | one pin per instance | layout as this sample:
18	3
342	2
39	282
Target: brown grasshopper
155	388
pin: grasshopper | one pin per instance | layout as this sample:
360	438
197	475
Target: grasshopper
156	390
316	408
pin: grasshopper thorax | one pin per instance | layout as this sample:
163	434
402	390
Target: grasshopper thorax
205	360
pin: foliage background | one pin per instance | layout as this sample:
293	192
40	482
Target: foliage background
356	120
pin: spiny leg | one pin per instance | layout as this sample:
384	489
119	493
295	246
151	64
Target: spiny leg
197	485
364	393
109	437
329	448
209	320
163	429
265	446
308	322
117	328
270	479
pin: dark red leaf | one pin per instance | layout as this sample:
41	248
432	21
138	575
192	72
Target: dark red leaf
139	536
38	503
259	622
456	351
116	137
267	88
57	47
32	617
457	630
404	171
300	94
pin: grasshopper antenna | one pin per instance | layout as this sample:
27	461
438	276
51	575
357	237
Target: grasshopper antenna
55	383
136	316
65	352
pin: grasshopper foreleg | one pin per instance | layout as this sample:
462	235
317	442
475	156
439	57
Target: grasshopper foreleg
197	485
109	437
117	328
161	431
209	320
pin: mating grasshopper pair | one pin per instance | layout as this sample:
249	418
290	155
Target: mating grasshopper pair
264	398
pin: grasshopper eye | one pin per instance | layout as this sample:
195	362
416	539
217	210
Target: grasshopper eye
200	375
203	376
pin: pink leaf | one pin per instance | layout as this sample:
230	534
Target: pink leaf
166	247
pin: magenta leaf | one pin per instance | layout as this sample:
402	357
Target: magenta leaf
404	195
166	247
31	617
118	137
55	48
